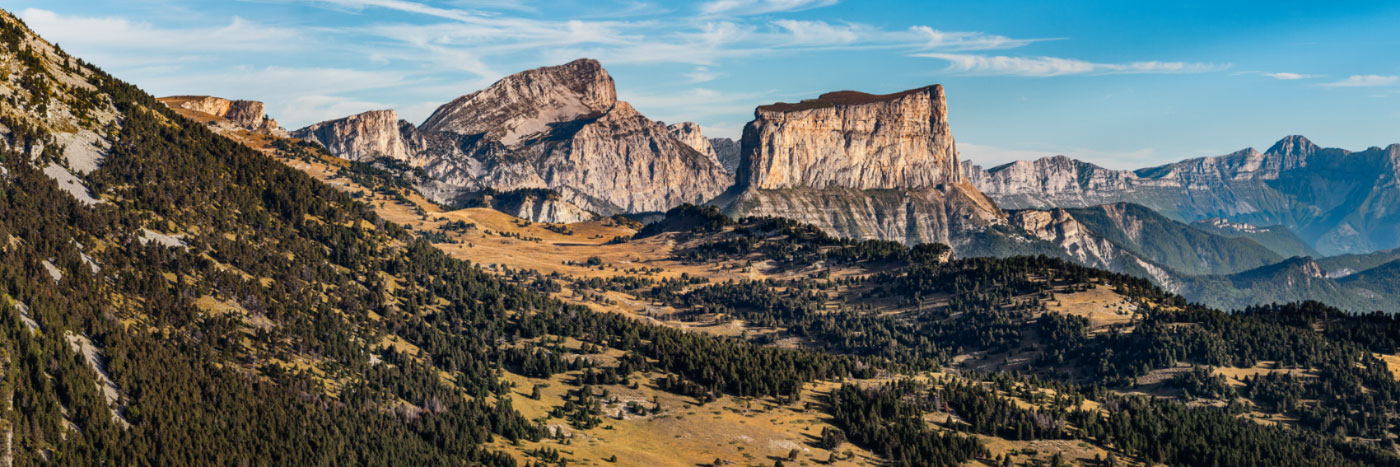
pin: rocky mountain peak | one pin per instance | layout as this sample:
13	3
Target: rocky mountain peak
529	103
851	139
1293	146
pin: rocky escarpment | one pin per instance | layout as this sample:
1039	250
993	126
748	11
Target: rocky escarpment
245	114
558	128
363	137
861	166
1337	201
1050	182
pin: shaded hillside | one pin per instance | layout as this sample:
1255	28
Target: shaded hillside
1172	244
1296	279
1277	238
1346	265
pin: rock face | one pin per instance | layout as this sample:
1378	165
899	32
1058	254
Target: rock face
529	103
557	128
727	151
689	133
861	166
854	140
1337	201
362	137
532	204
246	114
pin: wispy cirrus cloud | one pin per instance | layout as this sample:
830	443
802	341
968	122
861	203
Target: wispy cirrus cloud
127	41
1363	81
1039	67
963	41
759	7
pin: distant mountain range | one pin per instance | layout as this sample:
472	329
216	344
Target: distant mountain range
1336	201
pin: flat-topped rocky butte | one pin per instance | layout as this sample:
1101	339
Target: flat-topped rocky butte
850	139
863	166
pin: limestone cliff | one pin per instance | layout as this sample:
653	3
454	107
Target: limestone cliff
362	137
861	166
854	140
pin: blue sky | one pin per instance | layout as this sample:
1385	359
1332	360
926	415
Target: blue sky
1122	84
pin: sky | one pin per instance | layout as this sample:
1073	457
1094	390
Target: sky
1120	84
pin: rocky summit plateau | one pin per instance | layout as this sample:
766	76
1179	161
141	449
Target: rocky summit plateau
863	166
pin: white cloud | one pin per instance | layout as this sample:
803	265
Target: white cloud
819	32
1364	81
702	74
758	7
1290	76
1055	66
961	41
114	39
406	7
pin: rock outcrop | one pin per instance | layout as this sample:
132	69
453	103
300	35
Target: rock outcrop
249	115
861	166
689	133
559	128
363	137
727	151
1079	243
1337	201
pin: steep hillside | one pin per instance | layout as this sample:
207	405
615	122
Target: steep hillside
1346	265
1293	280
1172	244
1337	201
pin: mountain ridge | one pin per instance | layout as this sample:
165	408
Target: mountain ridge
1337	201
